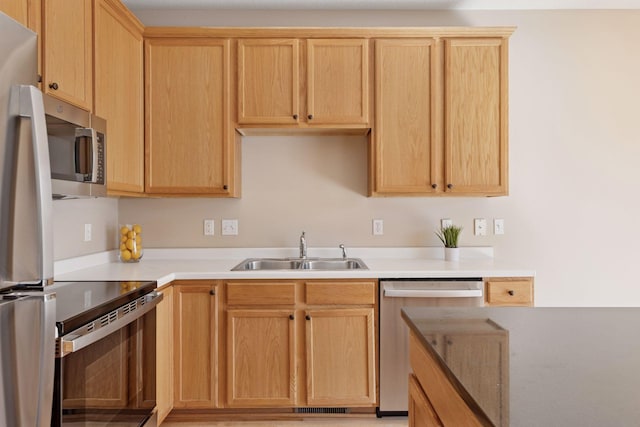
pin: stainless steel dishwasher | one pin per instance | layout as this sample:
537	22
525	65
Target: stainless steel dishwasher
394	336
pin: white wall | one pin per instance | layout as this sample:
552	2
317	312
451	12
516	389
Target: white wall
573	213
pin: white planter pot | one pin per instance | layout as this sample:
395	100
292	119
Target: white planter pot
451	254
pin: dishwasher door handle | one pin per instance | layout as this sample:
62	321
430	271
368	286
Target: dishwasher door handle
431	293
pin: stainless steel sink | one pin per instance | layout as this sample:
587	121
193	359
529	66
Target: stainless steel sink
300	264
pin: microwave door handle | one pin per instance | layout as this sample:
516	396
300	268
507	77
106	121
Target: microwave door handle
32	107
82	134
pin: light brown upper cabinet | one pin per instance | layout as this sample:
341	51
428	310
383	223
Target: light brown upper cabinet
405	141
188	147
68	51
441	117
329	88
119	97
18	10
475	114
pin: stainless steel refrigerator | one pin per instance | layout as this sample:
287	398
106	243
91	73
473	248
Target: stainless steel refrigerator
27	310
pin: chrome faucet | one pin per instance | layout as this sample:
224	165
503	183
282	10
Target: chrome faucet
303	246
344	251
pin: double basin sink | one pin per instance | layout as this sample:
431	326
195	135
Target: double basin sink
300	264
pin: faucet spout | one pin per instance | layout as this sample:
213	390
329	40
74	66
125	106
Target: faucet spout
303	246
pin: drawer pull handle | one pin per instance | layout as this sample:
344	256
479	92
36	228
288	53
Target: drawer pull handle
511	292
291	317
307	317
295	117
212	292
53	86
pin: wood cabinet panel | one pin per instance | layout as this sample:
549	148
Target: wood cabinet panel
406	144
261	293
164	355
68	51
475	79
337	81
119	97
17	9
188	145
421	413
340	350
509	291
195	346
336	292
268	81
261	367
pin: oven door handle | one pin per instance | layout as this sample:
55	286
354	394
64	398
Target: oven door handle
76	341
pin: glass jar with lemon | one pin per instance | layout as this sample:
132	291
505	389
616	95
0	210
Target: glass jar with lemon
130	243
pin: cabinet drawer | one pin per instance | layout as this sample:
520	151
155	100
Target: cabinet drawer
509	291
261	293
323	293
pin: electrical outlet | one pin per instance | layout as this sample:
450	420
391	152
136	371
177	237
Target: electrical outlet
209	227
229	227
378	227
446	222
87	232
480	227
498	226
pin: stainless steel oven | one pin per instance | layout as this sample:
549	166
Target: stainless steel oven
105	369
394	334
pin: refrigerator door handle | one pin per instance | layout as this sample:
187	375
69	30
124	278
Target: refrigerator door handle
32	107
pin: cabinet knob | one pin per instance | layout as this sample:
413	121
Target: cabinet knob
225	187
291	317
212	292
295	117
310	116
449	186
511	292
434	186
307	317
53	86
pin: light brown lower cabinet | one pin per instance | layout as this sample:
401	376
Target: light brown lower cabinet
309	348
421	413
164	353
195	354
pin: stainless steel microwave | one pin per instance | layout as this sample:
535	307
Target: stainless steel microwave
77	150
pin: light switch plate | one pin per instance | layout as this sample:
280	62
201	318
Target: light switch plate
229	227
87	232
498	226
480	227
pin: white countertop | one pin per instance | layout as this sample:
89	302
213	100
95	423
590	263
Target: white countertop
166	265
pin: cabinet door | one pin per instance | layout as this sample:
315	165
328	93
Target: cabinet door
164	355
405	144
67	49
268	81
340	348
486	378
338	81
17	9
421	413
475	103
187	111
119	94
261	363
195	346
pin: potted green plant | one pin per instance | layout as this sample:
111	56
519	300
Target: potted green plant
449	237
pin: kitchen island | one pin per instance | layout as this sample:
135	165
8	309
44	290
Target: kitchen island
531	366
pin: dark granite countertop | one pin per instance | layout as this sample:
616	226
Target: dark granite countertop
566	366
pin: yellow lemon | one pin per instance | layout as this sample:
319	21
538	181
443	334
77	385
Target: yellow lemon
125	255
138	240
123	247
131	235
135	255
123	238
137	228
124	230
129	244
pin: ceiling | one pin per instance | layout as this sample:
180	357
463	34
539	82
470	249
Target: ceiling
380	4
